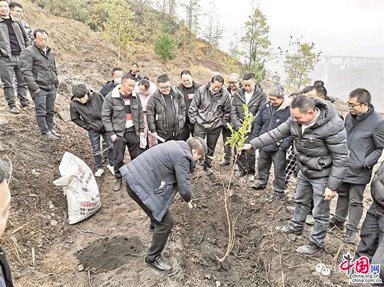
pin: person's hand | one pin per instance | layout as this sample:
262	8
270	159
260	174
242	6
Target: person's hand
113	137
329	194
154	134
246	146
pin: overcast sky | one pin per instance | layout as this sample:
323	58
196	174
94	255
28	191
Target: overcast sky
337	27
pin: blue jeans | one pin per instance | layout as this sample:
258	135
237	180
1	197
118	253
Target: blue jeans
94	137
306	191
9	68
44	107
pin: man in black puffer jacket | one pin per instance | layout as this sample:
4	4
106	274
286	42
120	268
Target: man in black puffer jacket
166	111
209	112
271	115
320	140
85	109
365	137
372	231
153	179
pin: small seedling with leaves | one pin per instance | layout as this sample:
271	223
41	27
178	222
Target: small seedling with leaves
236	141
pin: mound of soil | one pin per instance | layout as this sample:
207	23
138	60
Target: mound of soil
109	253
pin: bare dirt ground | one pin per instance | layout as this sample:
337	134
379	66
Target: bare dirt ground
108	248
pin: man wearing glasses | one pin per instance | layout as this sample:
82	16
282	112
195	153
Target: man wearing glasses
233	88
365	139
166	111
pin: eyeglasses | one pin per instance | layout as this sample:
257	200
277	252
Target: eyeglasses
351	105
164	88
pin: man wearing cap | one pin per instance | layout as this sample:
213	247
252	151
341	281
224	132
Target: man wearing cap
252	95
85	109
154	189
272	114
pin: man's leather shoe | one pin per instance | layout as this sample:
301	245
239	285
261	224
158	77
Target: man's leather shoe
224	162
350	236
117	185
333	222
258	186
286	229
308	249
159	264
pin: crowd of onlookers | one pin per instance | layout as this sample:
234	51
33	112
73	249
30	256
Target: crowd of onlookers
301	133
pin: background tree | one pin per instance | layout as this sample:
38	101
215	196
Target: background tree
300	60
165	45
213	31
192	12
256	44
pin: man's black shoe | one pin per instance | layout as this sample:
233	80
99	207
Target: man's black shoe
333	222
224	162
258	186
159	264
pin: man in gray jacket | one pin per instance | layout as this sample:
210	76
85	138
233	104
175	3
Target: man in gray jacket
39	70
209	112
365	138
154	189
321	142
13	40
122	116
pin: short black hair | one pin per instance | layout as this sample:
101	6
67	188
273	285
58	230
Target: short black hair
5	170
163	79
198	144
41	31
318	83
145	83
128	76
303	103
307	89
218	78
362	96
115	69
13	5
135	64
249	76
185	72
295	94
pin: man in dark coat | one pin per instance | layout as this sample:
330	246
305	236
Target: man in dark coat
272	114
5	204
153	179
188	88
13	40
210	110
38	65
372	231
251	95
166	111
85	110
320	140
117	74
365	138
122	116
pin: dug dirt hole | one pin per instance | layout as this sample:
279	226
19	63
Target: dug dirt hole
110	253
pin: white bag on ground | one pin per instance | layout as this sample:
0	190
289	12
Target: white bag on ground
79	186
